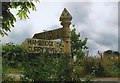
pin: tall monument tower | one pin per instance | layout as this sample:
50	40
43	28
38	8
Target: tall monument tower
65	19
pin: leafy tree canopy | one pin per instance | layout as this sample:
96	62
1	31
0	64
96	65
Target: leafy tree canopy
8	19
77	45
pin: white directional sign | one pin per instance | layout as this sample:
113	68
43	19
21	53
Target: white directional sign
40	46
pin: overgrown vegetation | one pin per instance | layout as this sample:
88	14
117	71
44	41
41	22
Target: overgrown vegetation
58	67
12	59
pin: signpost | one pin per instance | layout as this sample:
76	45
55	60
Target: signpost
41	46
50	35
42	42
65	19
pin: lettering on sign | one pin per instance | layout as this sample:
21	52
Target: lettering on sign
50	35
40	46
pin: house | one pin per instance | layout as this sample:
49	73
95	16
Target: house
113	54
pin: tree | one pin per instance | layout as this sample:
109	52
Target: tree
8	19
77	45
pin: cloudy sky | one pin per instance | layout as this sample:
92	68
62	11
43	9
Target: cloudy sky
97	21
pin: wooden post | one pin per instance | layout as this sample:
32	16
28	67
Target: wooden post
65	19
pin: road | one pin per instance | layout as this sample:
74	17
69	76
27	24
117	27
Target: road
98	80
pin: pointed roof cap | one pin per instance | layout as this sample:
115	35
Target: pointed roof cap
65	15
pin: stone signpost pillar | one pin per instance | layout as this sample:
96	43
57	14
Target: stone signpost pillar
65	19
42	41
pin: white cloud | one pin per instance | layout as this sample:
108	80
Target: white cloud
98	22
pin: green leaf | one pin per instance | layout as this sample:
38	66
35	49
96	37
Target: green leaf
8	16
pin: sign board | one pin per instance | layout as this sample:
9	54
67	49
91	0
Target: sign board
40	46
42	42
50	35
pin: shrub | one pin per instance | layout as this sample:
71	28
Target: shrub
45	67
13	54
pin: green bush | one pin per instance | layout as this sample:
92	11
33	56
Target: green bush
105	67
13	55
56	67
45	67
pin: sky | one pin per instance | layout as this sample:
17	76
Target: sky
97	21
